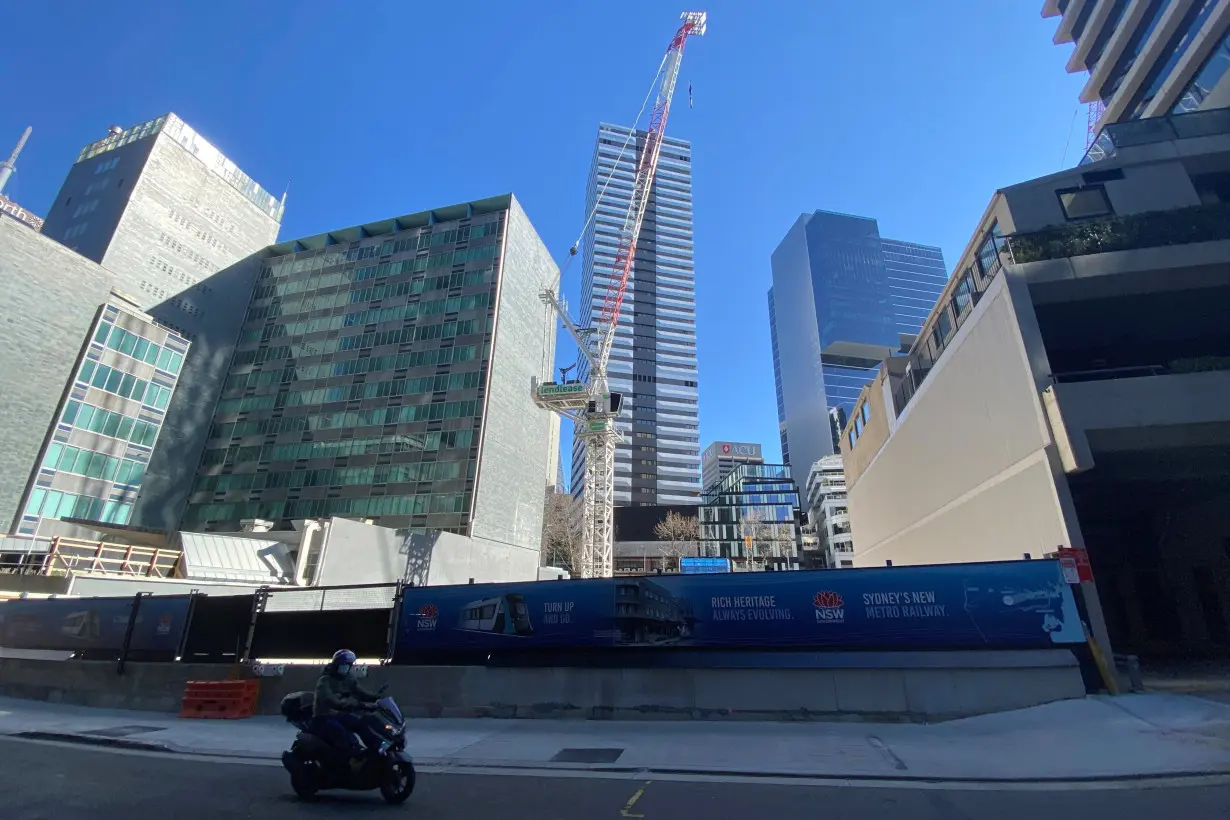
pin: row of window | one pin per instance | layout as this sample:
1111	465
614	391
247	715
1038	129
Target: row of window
386	248
124	384
435	260
372	316
353	392
324	507
374	417
55	504
310	302
372	364
93	465
336	477
138	347
76	231
401	443
443	330
107	423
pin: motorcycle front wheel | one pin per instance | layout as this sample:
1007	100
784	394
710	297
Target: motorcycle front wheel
303	786
398	782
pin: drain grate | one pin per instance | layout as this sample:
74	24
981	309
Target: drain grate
123	731
587	756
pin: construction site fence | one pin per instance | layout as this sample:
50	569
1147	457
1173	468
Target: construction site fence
746	619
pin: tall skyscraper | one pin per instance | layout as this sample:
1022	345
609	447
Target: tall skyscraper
1147	58
163	209
842	299
383	371
653	362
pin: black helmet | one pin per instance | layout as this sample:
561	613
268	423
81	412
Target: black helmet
342	657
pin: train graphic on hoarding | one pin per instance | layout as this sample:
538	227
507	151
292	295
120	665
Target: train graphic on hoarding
501	615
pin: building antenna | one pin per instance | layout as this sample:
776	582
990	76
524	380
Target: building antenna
285	191
10	165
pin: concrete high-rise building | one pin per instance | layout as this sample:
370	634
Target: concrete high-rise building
722	457
842	299
383	372
155	223
653	362
828	513
1147	58
163	209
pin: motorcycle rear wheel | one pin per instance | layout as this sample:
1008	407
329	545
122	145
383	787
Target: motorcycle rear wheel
398	783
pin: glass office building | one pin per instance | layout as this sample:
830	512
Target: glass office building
93	463
383	372
653	360
843	298
1147	58
753	518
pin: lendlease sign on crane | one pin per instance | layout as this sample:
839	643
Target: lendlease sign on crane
593	410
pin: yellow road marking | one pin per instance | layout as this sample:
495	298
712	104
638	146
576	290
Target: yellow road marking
626	811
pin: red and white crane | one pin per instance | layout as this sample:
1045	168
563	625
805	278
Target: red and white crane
592	406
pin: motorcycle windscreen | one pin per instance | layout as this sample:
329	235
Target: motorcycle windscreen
390	706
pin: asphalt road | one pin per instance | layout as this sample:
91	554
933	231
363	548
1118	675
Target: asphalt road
56	781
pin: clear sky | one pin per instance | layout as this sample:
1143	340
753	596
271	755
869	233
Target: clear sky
907	111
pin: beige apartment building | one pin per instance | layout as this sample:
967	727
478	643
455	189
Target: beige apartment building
1072	388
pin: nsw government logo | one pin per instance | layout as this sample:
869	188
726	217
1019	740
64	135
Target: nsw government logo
427	617
830	608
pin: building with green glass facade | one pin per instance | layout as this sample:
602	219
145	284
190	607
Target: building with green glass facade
383	372
753	518
93	462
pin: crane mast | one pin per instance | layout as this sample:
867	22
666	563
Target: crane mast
592	406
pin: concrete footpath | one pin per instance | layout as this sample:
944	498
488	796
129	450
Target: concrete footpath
1099	738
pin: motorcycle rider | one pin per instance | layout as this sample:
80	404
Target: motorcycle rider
335	708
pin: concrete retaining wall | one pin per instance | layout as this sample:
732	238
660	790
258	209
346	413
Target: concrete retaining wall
871	686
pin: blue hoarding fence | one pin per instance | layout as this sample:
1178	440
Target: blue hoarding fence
699	566
147	625
632	620
1008	605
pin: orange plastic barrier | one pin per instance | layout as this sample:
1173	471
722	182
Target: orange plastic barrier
220	699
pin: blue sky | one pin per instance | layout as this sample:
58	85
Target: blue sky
909	112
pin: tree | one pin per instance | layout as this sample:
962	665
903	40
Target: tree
680	534
765	539
561	533
757	536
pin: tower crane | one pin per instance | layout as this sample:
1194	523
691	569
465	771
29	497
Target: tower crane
591	405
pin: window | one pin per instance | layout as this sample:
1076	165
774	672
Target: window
963	296
1083	203
988	252
943	324
865	412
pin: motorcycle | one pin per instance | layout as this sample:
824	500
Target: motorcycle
316	765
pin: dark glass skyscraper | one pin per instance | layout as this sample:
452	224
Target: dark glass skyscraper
842	300
382	371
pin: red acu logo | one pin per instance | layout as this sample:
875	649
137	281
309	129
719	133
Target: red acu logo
427	617
830	608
